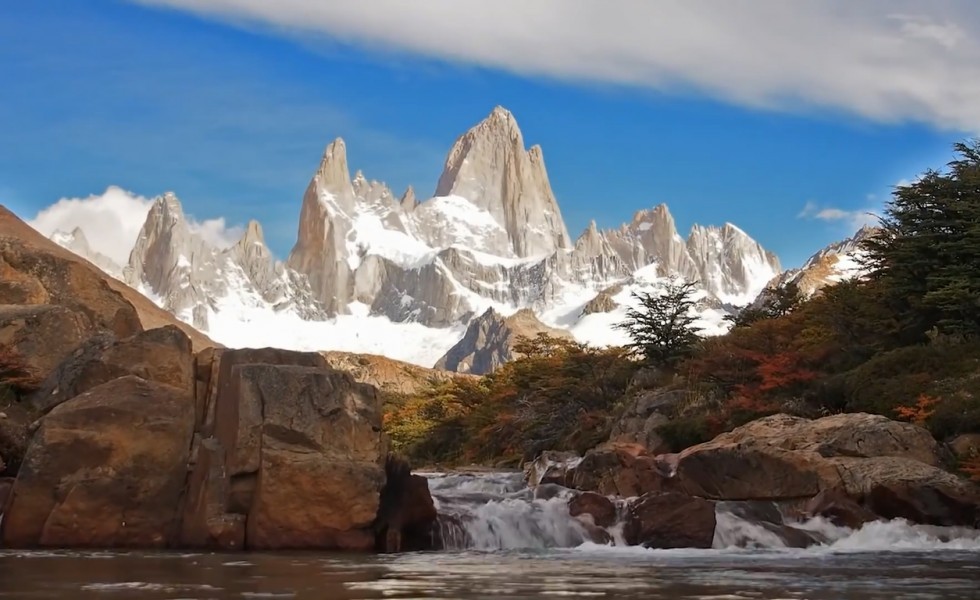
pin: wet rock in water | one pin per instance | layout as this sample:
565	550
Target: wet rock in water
930	505
407	516
768	517
105	470
840	509
600	508
547	491
551	467
670	520
625	470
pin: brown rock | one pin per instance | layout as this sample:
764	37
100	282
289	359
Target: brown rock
782	457
647	411
839	509
600	508
293	451
105	469
162	355
551	467
670	520
34	271
618	470
44	335
407	516
931	505
966	445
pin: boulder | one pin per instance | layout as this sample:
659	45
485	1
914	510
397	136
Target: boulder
784	458
44	335
600	508
966	446
646	412
838	508
407	516
105	470
670	520
290	455
619	470
163	355
551	466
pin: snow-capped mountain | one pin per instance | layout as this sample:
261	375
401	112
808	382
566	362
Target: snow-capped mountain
837	262
367	262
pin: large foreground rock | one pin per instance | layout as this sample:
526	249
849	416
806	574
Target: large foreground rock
105	469
290	455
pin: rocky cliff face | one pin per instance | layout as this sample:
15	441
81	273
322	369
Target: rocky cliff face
490	339
489	167
192	279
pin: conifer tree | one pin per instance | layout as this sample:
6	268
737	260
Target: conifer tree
662	328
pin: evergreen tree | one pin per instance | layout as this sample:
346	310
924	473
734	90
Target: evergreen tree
928	255
662	328
776	302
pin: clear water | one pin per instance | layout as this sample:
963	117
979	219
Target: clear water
509	544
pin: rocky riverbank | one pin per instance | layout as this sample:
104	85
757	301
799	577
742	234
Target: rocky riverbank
850	469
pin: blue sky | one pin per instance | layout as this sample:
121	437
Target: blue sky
232	104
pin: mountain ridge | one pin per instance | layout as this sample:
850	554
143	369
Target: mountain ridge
492	237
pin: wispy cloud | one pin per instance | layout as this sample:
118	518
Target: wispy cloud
886	60
852	219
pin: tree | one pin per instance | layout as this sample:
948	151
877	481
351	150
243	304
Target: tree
926	256
776	302
662	327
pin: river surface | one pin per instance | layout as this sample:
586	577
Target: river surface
509	544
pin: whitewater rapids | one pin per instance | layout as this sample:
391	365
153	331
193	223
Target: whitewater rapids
497	511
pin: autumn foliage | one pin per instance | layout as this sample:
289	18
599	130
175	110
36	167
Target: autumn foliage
559	395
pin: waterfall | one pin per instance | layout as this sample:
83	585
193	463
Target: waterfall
497	511
489	511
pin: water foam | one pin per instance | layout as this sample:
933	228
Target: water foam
497	511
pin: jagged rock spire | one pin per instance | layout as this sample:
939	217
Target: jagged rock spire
489	166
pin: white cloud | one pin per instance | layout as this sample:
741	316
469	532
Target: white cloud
882	59
112	221
852	219
216	232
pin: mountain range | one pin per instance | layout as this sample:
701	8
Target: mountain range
392	275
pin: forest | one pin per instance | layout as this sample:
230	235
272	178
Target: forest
901	341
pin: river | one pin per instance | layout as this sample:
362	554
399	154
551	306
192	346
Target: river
508	544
